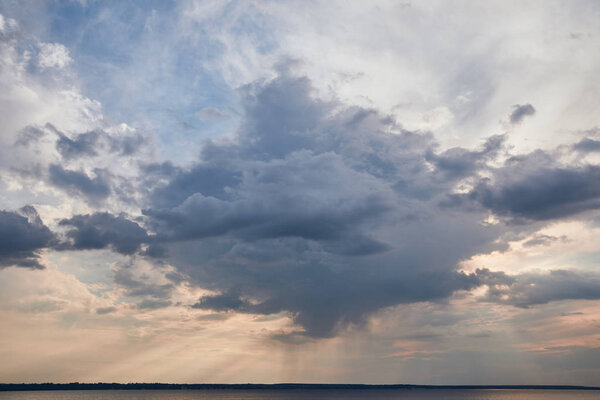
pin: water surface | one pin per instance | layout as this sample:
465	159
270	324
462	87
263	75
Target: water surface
310	394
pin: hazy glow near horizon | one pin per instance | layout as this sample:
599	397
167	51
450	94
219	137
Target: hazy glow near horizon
292	191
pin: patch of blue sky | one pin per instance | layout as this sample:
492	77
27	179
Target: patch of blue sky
137	63
90	267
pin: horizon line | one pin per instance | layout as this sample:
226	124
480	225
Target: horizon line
252	386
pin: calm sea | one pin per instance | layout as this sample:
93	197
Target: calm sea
313	394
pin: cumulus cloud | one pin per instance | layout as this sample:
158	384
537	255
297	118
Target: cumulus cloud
22	235
316	209
325	212
520	112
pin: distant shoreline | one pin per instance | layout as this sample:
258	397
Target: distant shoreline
4	387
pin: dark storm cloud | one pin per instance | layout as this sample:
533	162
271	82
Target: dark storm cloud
320	211
22	235
103	230
329	213
520	112
79	183
272	208
322	300
530	289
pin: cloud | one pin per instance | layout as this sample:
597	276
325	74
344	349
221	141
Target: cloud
94	189
28	135
83	144
105	310
207	180
22	236
150	289
271	208
530	289
53	55
543	240
102	230
540	194
88	144
126	145
587	145
328	213
459	162
520	112
319	210
223	302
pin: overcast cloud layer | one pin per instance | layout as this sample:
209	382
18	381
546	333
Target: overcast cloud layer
254	181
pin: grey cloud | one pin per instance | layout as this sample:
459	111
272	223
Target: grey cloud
271	208
320	211
153	304
457	162
530	289
22	235
323	301
570	358
105	310
103	230
84	144
223	302
88	144
213	317
149	294
533	187
94	189
155	250
587	145
329	213
29	134
293	338
542	240
126	145
208	180
520	112
543	194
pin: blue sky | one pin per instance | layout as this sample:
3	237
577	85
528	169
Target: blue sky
300	191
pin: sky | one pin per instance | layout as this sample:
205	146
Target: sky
300	191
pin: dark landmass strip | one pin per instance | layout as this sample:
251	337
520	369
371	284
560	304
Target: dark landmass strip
253	386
